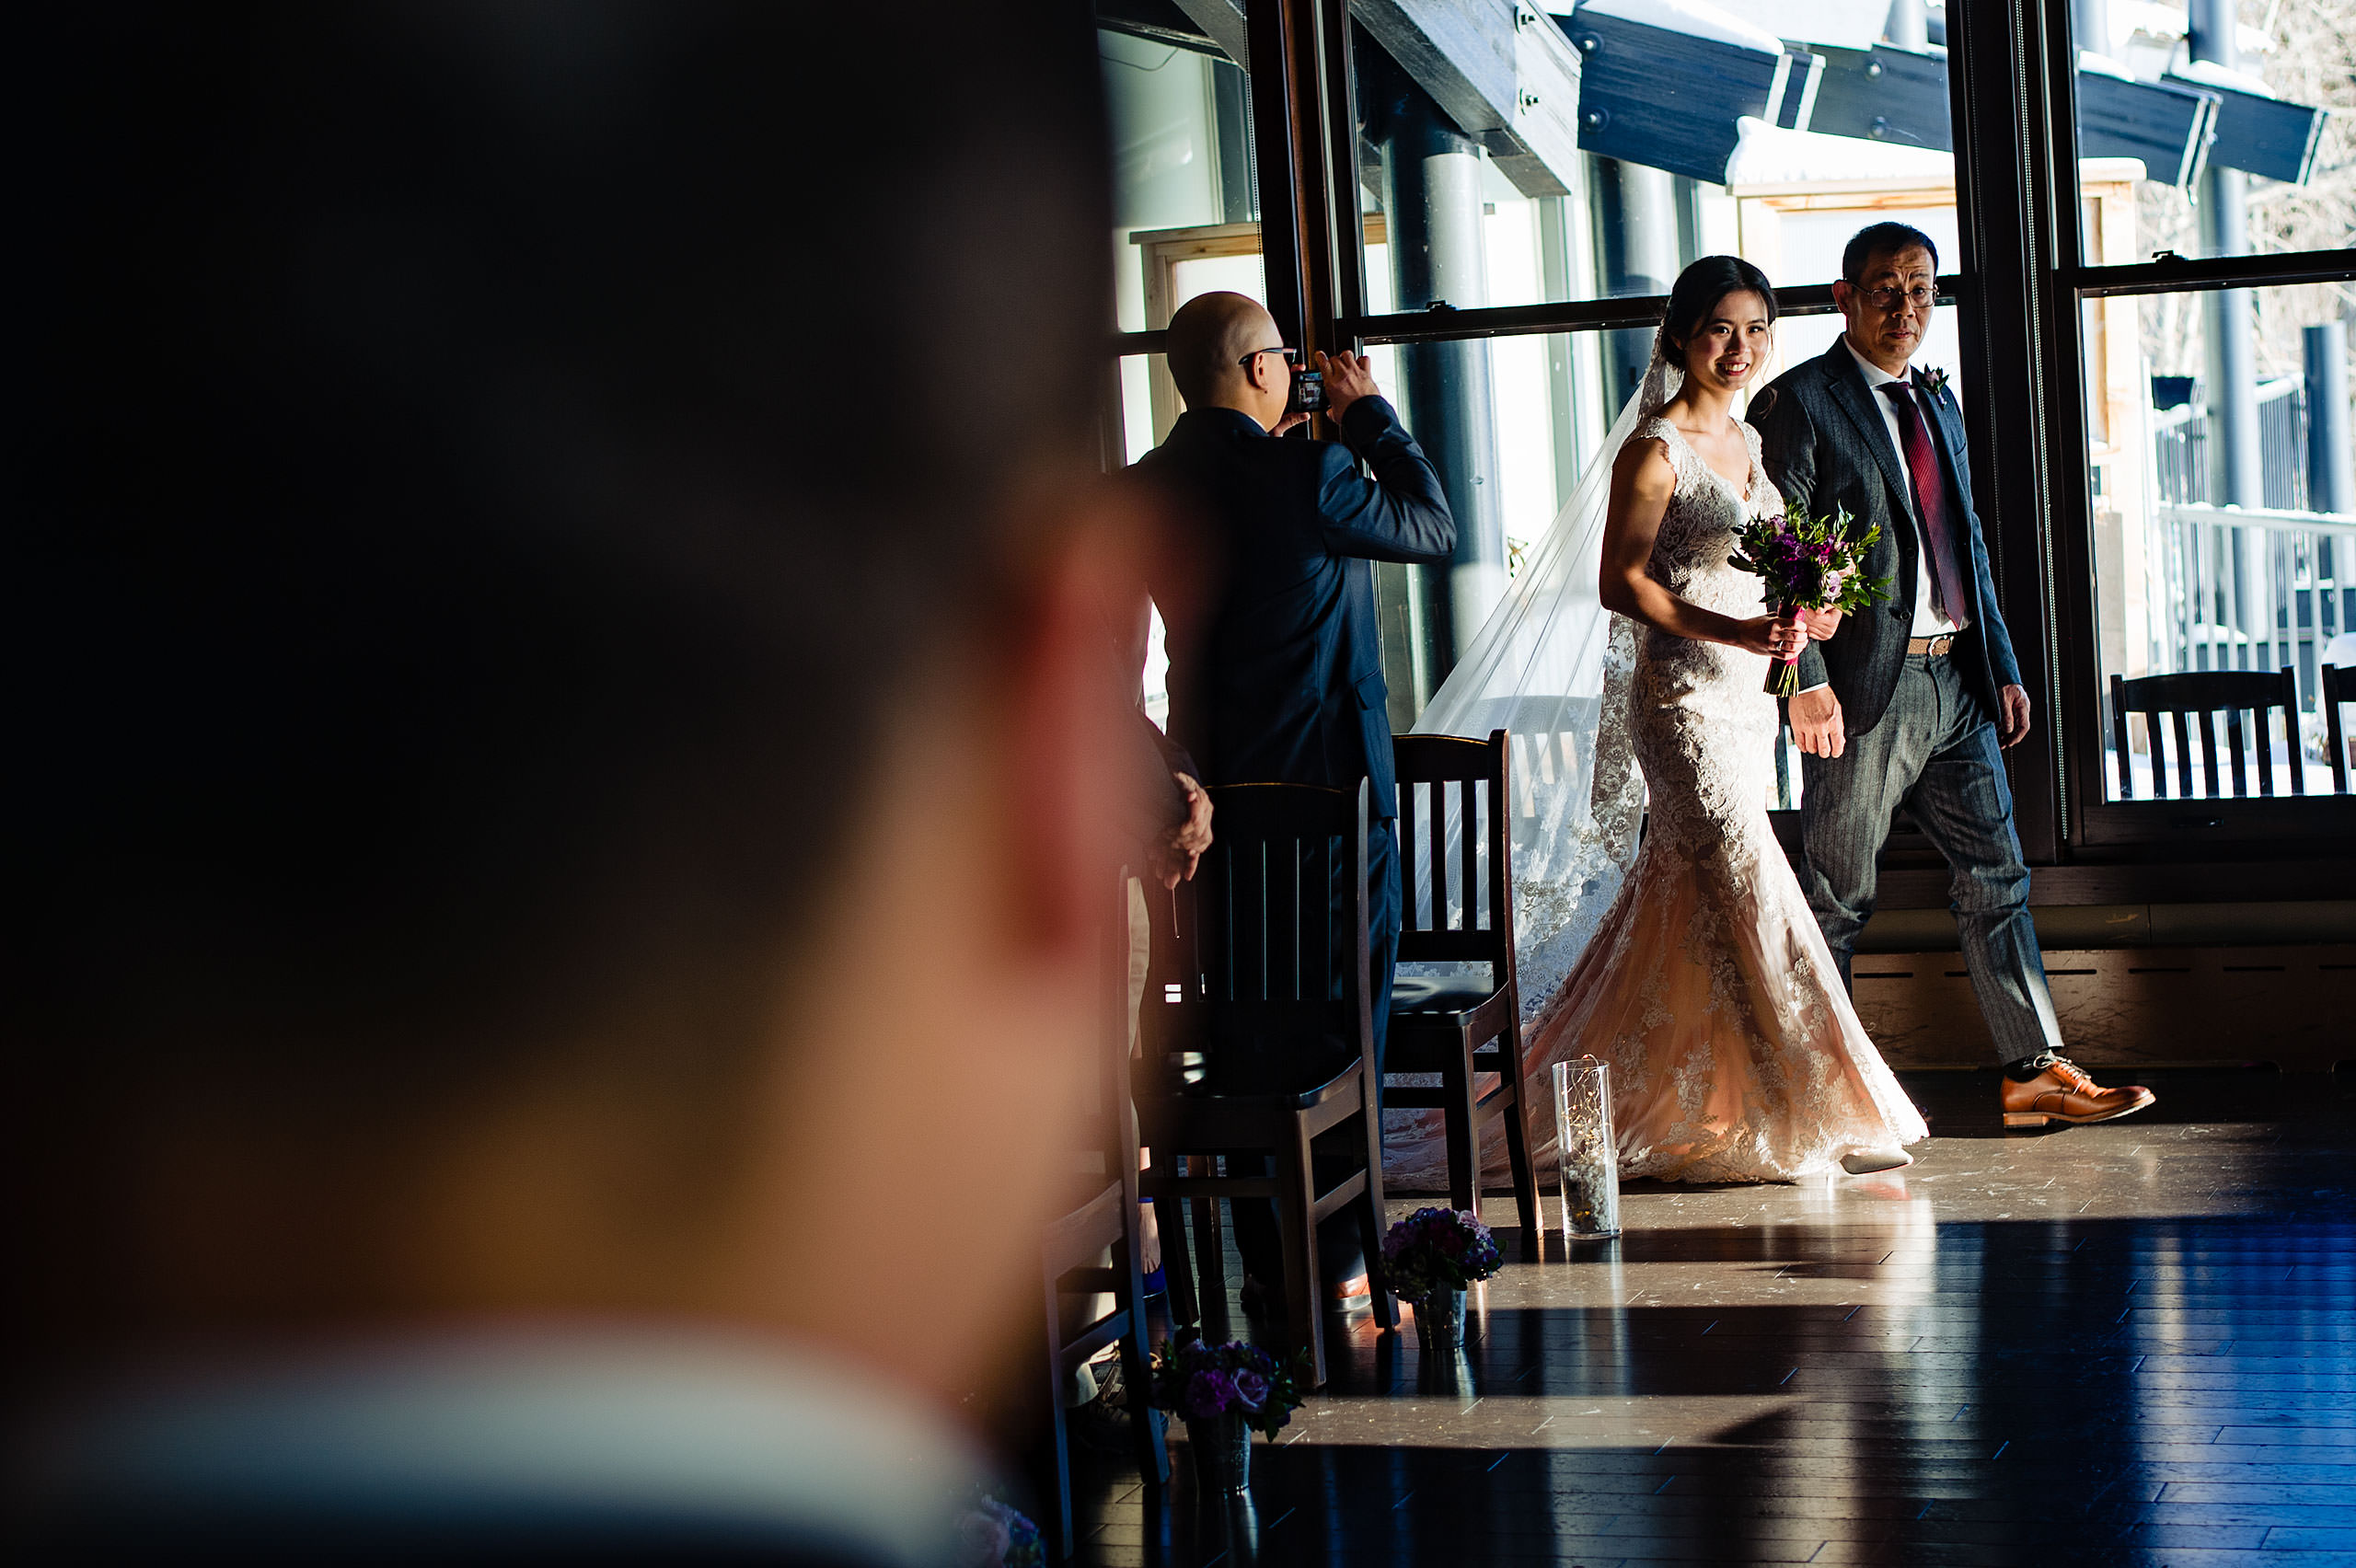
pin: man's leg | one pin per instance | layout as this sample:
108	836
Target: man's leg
1965	806
1846	804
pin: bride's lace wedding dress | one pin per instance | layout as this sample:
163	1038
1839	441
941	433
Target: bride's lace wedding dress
1735	1053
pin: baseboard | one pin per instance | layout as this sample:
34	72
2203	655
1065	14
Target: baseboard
2292	1006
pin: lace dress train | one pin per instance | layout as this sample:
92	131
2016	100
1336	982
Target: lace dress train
1735	1053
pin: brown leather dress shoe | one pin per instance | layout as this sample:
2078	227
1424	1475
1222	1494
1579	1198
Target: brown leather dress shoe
2062	1092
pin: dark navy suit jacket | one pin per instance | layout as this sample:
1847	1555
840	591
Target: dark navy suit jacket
1821	430
1276	660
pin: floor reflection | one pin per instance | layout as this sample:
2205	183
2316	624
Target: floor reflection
2132	1344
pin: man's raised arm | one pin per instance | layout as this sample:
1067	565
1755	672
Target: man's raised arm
1402	513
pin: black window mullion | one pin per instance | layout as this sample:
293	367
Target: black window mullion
2009	182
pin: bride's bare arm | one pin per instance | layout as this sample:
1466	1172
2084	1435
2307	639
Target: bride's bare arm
1642	481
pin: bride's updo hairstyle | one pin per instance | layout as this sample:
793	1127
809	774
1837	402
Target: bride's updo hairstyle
1698	290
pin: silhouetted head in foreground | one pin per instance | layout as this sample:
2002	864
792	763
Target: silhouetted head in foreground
554	712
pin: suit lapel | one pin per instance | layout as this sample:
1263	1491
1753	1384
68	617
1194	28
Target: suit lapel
1856	400
1950	423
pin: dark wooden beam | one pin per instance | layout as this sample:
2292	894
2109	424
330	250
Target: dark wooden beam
1503	70
2263	136
1885	93
1669	99
2166	126
1223	23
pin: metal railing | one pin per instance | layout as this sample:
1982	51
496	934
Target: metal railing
2180	447
2250	589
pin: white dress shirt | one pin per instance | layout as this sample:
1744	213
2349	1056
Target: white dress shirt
1928	621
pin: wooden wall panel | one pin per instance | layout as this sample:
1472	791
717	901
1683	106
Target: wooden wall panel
2294	1006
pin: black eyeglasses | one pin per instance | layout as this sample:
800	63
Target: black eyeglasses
1293	357
1918	296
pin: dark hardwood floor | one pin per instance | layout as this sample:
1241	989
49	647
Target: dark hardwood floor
2125	1343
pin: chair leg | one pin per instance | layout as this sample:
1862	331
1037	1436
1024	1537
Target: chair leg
1372	1217
1462	1118
1210	1249
1052	1463
1297	1233
1145	1422
1525	1180
1169	1214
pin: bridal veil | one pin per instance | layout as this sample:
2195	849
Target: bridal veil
1552	666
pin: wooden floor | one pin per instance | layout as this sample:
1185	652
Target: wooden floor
2127	1343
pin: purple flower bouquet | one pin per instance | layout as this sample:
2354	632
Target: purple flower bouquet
1807	563
991	1535
1438	1248
1199	1381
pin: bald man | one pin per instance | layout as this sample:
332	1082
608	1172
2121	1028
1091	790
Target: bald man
1275	662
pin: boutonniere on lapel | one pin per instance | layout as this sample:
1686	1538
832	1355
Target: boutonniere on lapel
1933	380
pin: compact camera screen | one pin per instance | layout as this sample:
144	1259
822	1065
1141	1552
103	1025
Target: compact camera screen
1308	393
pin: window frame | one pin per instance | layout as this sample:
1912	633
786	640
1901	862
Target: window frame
2021	285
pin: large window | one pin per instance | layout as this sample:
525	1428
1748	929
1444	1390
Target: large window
2144	211
2218	519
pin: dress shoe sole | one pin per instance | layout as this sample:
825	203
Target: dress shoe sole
2038	1118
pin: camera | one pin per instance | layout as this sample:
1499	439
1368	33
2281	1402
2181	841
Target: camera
1307	394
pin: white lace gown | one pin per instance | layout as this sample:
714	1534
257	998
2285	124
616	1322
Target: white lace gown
1735	1054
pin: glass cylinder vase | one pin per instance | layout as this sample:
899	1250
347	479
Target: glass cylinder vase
1222	1450
1588	1157
1440	1320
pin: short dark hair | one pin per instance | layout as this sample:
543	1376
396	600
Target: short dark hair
1875	240
481	500
1697	292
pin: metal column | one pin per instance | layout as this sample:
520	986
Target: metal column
2236	472
1636	241
1432	174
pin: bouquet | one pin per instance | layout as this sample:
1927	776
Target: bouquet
1807	563
1436	1249
1199	1381
991	1535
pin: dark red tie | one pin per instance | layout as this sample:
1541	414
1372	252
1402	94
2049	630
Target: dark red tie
1931	500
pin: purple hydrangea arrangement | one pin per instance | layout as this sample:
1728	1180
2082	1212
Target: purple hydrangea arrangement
1195	1381
991	1535
1438	1248
1807	563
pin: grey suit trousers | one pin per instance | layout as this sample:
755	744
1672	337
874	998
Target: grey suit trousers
1935	751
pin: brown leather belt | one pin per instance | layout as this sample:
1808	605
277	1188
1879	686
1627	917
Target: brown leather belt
1936	647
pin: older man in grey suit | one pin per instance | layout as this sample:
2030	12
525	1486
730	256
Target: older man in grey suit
1912	702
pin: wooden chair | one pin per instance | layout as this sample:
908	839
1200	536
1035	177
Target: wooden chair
1461	1029
1105	1219
1248	1056
2197	694
2339	687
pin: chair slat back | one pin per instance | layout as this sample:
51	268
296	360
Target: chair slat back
1276	911
2339	687
2200	698
1456	810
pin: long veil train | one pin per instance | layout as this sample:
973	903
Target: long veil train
1551	664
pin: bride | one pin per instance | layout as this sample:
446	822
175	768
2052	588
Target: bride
1696	972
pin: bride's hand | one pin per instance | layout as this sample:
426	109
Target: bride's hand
1773	635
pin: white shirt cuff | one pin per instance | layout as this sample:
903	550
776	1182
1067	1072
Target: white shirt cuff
1817	687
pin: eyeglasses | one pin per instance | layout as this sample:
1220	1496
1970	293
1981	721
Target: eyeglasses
1918	296
1293	357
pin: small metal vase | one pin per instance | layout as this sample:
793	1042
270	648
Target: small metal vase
1222	1450
1440	1320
